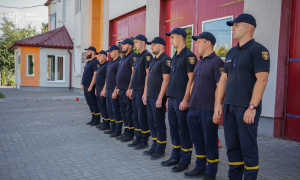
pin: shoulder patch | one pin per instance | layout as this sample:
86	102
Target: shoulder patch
265	55
220	70
134	58
168	62
192	60
98	65
148	58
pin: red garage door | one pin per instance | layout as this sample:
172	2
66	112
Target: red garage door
128	25
198	15
292	124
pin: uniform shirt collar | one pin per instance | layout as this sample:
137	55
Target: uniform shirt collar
142	53
92	60
213	54
128	53
160	56
245	45
181	52
117	58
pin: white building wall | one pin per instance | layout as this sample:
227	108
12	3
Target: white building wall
267	14
44	52
17	70
120	7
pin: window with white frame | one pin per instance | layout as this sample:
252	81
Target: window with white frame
55	68
222	32
30	65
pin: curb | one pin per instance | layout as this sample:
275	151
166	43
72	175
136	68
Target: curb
40	98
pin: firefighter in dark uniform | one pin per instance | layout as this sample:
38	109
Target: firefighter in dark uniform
100	82
157	83
123	80
88	84
178	93
203	131
138	92
110	91
243	82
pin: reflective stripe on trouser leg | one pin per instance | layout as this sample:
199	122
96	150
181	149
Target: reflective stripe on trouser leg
180	131
110	108
241	151
151	122
204	134
136	125
93	103
117	114
142	115
126	112
159	123
102	107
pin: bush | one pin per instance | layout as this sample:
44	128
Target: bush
2	77
11	82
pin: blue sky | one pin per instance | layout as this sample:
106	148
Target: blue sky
35	15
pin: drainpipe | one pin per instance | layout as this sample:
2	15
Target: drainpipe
70	83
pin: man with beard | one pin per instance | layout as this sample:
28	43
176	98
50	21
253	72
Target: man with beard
178	93
123	81
203	131
138	90
100	82
110	91
157	82
88	84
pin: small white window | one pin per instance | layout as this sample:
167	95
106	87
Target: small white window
56	68
30	65
222	32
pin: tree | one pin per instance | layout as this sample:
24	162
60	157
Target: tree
44	27
11	34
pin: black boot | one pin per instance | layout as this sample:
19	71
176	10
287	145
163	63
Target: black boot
95	123
180	167
115	134
170	162
156	155
120	137
110	131
126	139
133	144
195	173
149	152
99	126
209	177
104	127
90	122
141	145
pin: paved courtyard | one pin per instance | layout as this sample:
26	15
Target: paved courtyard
48	139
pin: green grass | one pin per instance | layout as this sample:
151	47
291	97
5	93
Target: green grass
1	95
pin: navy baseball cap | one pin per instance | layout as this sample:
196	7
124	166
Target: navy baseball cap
102	52
140	37
157	40
127	41
206	35
113	47
247	18
178	31
92	48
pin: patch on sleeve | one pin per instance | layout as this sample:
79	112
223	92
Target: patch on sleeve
168	62
192	60
265	55
221	69
98	65
134	59
148	58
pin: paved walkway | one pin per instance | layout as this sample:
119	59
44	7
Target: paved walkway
14	94
49	140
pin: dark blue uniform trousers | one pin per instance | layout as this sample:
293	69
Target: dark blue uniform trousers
102	108
204	135
179	130
157	124
126	112
113	110
91	100
241	143
139	117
